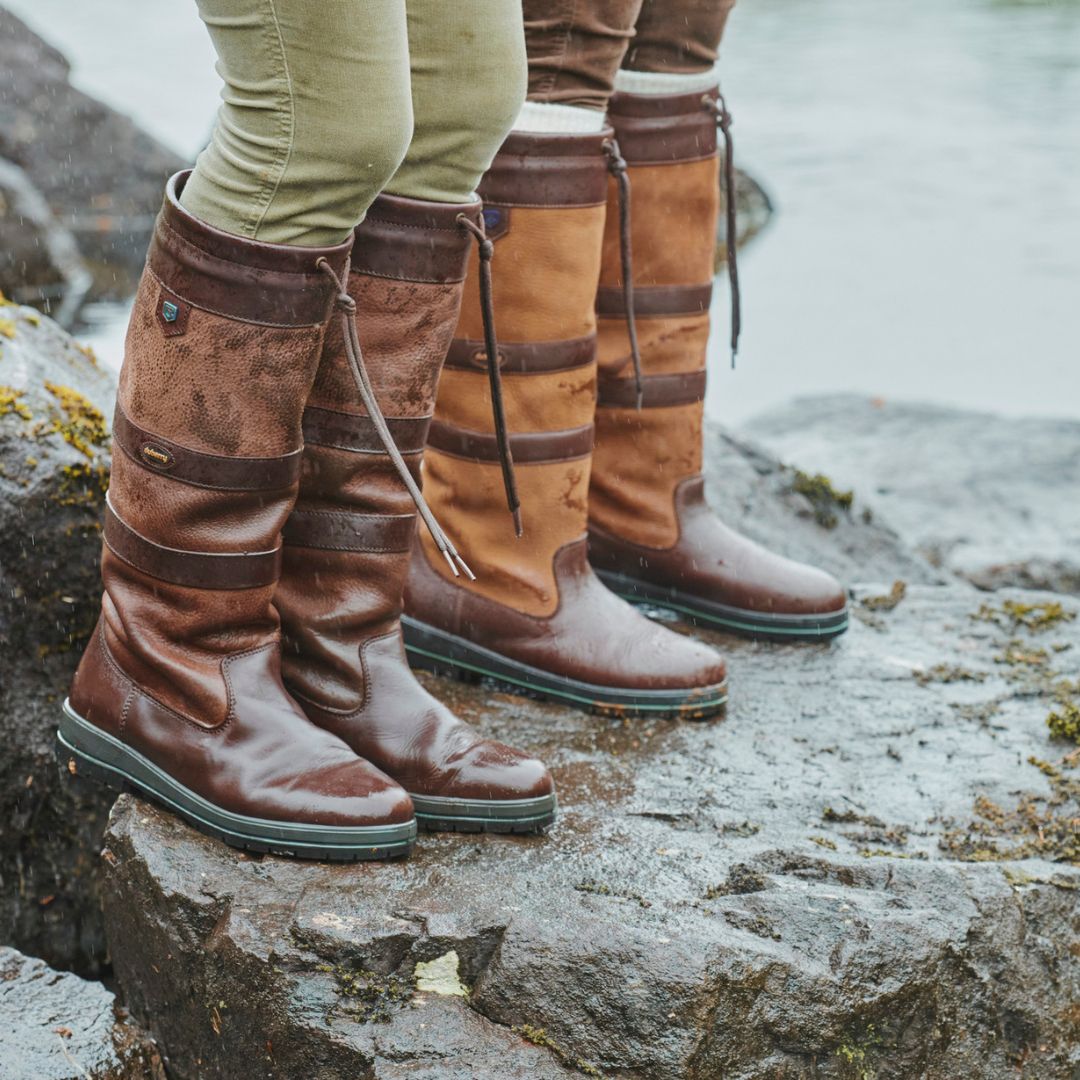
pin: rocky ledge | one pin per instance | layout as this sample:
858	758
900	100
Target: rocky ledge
868	869
990	498
59	1027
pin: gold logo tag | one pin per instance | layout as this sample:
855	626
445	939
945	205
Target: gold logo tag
156	456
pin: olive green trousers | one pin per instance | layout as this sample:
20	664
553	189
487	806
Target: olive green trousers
326	103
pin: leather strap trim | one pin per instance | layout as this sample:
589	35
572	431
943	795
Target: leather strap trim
346	431
193	569
533	169
660	391
527	358
203	470
413	240
532	448
656	129
655	301
331	530
268	284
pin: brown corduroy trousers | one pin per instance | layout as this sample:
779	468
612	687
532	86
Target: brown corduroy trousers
576	46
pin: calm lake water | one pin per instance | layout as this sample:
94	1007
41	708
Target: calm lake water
924	157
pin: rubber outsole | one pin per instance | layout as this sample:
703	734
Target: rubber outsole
447	654
87	752
760	626
446	814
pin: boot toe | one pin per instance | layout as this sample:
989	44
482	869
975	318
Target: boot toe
794	588
498	772
357	794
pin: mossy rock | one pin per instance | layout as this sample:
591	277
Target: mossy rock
55	401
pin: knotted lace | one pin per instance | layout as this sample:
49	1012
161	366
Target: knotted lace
498	411
616	165
347	308
723	119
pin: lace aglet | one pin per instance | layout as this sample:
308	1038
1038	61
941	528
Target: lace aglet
519	528
640	397
464	566
450	562
734	353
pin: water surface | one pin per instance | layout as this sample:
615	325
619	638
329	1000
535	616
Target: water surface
924	157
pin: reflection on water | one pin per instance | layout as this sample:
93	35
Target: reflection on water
924	159
923	156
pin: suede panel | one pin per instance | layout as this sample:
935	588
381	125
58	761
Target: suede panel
472	507
668	346
672	226
545	272
547	402
639	461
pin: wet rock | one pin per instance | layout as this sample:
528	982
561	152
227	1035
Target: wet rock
869	868
100	174
38	258
802	516
991	498
54	464
58	1027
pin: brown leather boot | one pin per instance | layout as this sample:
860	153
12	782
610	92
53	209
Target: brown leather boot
537	618
179	695
652	536
347	543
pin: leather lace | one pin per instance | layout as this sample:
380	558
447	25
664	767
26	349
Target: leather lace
347	309
723	120
616	165
486	250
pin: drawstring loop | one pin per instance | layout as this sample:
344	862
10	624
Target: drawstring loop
616	165
498	410
347	307
723	119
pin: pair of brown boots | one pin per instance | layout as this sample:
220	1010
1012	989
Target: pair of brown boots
248	669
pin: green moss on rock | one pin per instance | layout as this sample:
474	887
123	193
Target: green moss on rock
823	497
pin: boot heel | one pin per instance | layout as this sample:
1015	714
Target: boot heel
81	774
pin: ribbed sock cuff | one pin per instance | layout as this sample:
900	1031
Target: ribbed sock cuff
557	119
663	82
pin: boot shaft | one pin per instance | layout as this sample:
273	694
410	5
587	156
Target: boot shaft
643	455
544	211
221	350
347	542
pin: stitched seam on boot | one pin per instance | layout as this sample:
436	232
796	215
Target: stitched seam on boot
348	714
136	690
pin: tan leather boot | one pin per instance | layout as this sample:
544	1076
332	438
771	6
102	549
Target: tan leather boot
347	543
652	536
179	696
537	618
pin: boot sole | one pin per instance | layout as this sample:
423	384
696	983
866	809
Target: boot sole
439	813
84	750
447	654
761	626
